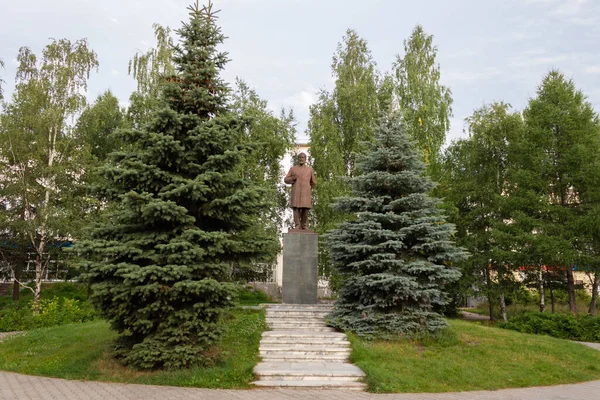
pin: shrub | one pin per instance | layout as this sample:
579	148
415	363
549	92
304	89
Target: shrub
564	326
55	311
248	296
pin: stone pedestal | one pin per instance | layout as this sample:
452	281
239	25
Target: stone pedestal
300	268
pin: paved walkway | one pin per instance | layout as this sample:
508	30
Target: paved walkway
23	387
472	316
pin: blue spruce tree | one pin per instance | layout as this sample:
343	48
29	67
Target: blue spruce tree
396	255
180	215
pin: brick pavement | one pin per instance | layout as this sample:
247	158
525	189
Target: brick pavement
23	387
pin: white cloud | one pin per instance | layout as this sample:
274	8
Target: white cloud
521	35
534	52
457	130
537	60
114	72
585	21
592	69
302	99
114	20
569	8
472	76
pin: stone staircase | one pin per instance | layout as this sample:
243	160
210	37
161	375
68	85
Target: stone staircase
302	352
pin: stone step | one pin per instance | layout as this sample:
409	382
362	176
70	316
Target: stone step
308	371
316	307
299	322
293	344
283	328
296	317
291	356
310	384
304	348
331	335
303	315
297	312
344	353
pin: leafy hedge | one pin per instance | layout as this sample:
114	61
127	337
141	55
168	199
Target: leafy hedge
564	326
55	311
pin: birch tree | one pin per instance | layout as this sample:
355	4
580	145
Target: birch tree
41	158
1	80
149	70
425	103
340	124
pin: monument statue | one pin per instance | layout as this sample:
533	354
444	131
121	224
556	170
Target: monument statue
302	179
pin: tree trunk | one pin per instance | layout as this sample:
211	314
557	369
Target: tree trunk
571	290
488	282
595	282
502	298
503	306
541	286
16	288
37	293
552	299
40	267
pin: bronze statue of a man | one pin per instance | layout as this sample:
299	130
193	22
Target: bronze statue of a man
302	179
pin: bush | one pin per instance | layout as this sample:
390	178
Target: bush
247	296
55	311
564	326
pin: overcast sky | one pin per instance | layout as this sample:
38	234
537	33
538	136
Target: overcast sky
487	50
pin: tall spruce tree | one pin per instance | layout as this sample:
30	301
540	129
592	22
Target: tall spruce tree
183	214
396	255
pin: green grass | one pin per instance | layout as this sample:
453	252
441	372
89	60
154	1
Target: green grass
69	290
82	351
471	356
468	356
517	309
250	297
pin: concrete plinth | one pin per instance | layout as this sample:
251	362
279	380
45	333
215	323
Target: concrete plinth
300	268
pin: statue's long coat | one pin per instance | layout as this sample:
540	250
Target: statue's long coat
305	181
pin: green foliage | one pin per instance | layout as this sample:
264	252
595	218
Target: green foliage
150	70
98	122
262	129
475	180
396	255
582	328
53	311
340	122
184	215
41	161
250	297
426	105
557	175
273	138
82	351
1	80
466	356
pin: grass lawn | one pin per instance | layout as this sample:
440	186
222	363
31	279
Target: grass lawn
82	351
471	356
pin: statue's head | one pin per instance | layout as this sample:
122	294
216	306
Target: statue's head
301	158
